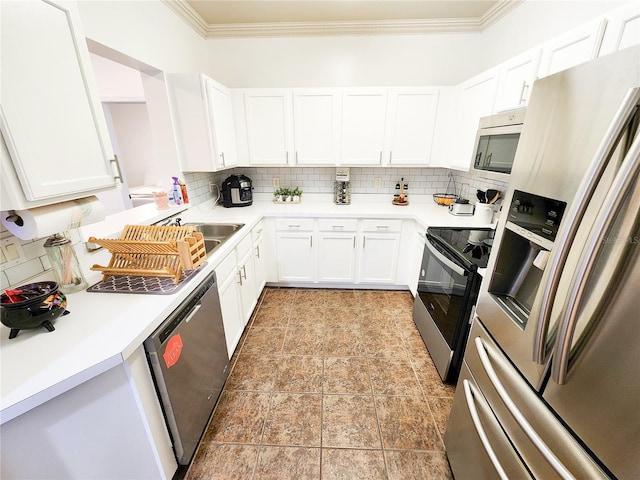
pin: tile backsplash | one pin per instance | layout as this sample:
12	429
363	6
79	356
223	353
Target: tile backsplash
33	261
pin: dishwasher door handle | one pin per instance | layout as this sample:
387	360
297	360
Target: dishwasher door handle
193	313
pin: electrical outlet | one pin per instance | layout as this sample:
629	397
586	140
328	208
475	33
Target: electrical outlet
276	182
377	182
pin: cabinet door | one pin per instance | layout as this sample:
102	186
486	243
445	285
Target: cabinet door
623	29
224	136
259	256
575	47
316	127
230	304
364	115
516	79
51	118
379	257
295	254
268	114
476	100
247	278
410	126
336	257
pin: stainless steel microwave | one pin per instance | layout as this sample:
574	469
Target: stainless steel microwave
496	144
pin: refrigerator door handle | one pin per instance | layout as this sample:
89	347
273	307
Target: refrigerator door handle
567	235
526	427
625	181
475	418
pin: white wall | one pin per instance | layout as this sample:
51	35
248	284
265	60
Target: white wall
147	31
393	60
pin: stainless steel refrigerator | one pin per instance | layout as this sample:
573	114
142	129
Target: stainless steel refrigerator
550	384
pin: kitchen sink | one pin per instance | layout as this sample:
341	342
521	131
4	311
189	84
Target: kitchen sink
215	234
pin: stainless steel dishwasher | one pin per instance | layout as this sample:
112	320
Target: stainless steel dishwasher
189	363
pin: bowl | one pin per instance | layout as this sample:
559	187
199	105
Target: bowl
31	306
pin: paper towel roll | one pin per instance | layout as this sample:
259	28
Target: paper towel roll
41	222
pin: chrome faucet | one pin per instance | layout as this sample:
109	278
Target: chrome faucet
172	222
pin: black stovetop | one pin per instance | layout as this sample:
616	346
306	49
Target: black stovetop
472	245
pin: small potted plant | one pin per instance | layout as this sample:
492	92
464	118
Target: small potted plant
286	194
278	195
297	193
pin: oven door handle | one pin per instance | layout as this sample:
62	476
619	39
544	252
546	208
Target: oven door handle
442	259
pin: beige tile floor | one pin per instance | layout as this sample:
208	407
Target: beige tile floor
329	384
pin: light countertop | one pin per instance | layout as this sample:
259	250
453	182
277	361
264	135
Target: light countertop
102	330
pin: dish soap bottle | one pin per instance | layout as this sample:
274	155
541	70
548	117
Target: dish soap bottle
177	193
183	191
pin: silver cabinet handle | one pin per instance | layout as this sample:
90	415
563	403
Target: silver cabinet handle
515	412
354	241
364	241
294	226
525	86
287	157
244	272
258	251
442	259
475	418
382	227
380	160
390	156
567	235
222	157
337	227
296	161
116	163
625	186
311	241
239	277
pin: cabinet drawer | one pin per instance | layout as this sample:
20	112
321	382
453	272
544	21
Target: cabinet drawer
294	224
338	224
381	225
226	267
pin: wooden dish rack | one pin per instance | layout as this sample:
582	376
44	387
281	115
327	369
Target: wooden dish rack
153	251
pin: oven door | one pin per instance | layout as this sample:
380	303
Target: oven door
441	305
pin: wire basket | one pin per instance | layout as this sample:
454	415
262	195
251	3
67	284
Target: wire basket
447	198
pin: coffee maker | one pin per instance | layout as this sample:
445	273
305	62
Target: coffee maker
342	187
236	191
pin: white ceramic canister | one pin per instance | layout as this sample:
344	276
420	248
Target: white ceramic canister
483	213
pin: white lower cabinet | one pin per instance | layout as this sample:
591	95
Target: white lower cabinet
259	257
295	250
380	248
230	301
337	250
247	278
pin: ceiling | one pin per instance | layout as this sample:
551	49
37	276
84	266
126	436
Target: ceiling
244	18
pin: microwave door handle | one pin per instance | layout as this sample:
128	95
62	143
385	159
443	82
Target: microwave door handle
441	258
475	419
483	352
567	235
625	185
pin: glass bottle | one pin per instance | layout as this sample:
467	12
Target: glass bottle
64	264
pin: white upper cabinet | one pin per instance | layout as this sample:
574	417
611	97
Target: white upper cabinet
364	114
516	79
475	99
411	125
269	117
316	126
623	29
51	119
203	123
224	134
577	46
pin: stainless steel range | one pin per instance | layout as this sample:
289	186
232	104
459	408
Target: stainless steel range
448	287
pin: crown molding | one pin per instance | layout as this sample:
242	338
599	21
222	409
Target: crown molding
298	29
